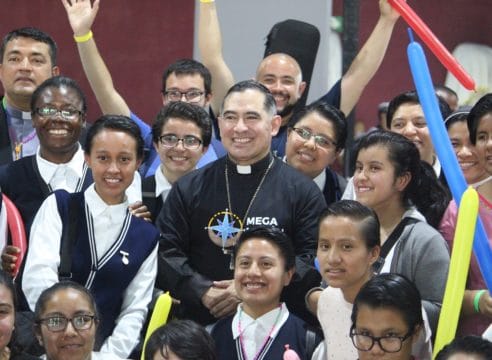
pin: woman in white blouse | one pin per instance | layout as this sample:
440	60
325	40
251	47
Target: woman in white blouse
112	252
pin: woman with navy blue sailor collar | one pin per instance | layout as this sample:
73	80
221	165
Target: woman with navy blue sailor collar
114	253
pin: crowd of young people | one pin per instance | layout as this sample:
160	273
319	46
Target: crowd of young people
227	201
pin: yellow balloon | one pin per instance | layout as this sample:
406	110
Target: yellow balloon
158	318
458	269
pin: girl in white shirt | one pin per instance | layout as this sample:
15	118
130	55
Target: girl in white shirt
114	254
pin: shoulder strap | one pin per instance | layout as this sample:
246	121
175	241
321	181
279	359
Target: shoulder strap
391	241
148	195
395	235
310	342
69	234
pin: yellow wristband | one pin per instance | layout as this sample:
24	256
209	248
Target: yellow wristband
207	1
83	38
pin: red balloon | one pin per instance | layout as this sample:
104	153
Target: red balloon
437	48
17	230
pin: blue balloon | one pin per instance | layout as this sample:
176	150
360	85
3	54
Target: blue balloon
444	150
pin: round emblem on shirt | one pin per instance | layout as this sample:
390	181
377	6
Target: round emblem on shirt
224	228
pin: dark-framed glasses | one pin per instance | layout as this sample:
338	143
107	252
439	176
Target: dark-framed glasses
189	141
389	344
60	323
50	112
191	96
319	140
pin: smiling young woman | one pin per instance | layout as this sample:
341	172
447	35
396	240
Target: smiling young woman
109	242
263	265
348	246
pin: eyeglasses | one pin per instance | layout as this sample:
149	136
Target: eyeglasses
389	344
50	112
192	96
189	141
60	323
319	140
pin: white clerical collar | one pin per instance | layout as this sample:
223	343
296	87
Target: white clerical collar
259	166
17	113
243	169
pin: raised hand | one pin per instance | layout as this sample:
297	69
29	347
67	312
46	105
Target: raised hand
81	15
9	257
387	11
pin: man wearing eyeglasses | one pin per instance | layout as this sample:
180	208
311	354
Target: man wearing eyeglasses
282	74
207	210
185	80
181	134
28	57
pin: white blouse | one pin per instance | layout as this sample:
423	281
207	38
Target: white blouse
43	259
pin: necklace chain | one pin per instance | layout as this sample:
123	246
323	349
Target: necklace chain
254	195
241	341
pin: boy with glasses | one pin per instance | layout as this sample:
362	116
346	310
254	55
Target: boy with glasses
181	134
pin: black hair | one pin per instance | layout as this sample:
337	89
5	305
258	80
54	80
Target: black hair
330	114
456	116
383	108
188	67
478	111
471	345
185	338
48	293
445	89
269	102
274	236
394	291
368	222
411	97
58	82
423	190
183	111
115	123
7	281
31	33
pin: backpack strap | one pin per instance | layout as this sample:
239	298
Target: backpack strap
69	233
310	342
391	241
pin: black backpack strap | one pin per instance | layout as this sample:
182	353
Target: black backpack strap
310	343
149	198
69	233
391	241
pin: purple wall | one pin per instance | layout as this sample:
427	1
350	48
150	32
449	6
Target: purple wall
138	39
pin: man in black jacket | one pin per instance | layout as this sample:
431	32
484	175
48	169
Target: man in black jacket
207	209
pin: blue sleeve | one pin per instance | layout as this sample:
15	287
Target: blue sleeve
334	95
145	130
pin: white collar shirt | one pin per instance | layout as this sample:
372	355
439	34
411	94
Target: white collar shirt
62	176
255	331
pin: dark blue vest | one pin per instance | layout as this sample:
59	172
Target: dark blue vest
109	276
293	333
